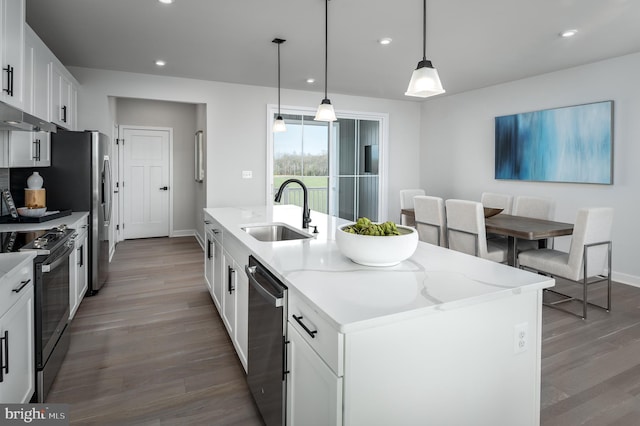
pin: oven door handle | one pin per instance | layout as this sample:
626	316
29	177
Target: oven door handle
48	267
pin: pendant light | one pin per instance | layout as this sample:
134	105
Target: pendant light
278	124
325	110
425	81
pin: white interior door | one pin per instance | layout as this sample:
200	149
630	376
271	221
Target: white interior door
146	182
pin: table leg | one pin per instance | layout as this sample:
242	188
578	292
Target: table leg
512	252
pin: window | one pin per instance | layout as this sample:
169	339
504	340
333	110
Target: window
341	163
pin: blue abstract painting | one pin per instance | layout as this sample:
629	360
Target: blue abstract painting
569	144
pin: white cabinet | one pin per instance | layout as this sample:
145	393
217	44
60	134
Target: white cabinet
78	271
235	295
29	149
314	391
37	79
208	259
63	98
235	305
12	23
32	149
213	260
17	369
224	260
229	294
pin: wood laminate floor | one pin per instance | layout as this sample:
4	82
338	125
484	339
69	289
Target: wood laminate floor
150	349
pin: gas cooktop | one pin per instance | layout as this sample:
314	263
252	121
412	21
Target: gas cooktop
41	241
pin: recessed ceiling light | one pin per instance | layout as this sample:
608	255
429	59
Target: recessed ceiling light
311	80
568	33
166	1
384	41
160	63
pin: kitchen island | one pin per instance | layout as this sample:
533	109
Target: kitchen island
441	338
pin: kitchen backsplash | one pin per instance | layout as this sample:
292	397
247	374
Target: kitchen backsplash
4	184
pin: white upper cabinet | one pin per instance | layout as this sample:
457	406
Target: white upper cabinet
37	80
29	149
63	97
12	23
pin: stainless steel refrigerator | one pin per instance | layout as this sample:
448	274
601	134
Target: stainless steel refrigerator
79	179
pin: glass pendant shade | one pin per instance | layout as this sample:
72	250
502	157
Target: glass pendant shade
278	125
425	81
325	111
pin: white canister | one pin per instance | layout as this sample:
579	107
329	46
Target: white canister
34	181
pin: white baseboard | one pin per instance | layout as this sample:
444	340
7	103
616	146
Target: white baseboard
631	280
189	233
200	240
183	233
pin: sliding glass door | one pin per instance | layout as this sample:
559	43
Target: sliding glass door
340	163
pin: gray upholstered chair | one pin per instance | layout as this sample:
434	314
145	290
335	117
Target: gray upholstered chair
535	207
497	201
588	261
406	202
466	231
430	219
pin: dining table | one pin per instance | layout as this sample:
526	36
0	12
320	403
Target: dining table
525	228
517	227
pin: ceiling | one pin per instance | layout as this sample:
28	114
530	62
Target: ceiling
472	43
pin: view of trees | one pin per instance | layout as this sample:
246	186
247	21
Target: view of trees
298	165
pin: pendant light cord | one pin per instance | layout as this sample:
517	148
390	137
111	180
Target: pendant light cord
326	44
278	79
424	30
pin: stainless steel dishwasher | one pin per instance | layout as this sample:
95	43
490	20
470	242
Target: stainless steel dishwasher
267	372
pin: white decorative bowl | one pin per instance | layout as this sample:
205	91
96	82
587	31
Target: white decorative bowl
30	212
378	250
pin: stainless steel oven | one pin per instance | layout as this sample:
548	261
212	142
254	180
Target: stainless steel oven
51	299
267	342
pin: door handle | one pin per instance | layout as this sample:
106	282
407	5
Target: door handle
164	188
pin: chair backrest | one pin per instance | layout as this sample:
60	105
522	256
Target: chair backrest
430	219
593	225
406	202
465	227
535	207
497	201
406	197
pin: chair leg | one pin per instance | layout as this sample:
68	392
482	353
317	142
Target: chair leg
584	297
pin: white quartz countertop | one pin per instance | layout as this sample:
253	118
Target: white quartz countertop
35	226
353	297
12	261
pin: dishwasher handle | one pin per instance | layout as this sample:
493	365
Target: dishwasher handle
276	299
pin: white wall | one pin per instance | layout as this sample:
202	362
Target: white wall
457	146
236	127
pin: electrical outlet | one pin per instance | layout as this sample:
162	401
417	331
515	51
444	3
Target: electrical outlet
520	337
247	174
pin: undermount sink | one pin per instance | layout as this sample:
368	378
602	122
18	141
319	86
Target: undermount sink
276	232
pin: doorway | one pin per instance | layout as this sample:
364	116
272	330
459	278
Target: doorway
146	181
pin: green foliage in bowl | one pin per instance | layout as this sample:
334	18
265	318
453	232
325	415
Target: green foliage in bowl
364	226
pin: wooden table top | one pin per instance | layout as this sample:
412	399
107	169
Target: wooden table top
526	227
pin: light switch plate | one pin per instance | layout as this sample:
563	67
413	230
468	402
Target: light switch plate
247	174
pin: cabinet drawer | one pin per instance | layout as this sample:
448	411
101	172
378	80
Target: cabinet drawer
81	227
14	280
214	226
317	332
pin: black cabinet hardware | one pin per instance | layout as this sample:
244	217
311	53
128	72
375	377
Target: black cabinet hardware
311	333
22	285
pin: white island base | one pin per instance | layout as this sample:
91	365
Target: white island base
441	339
459	367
